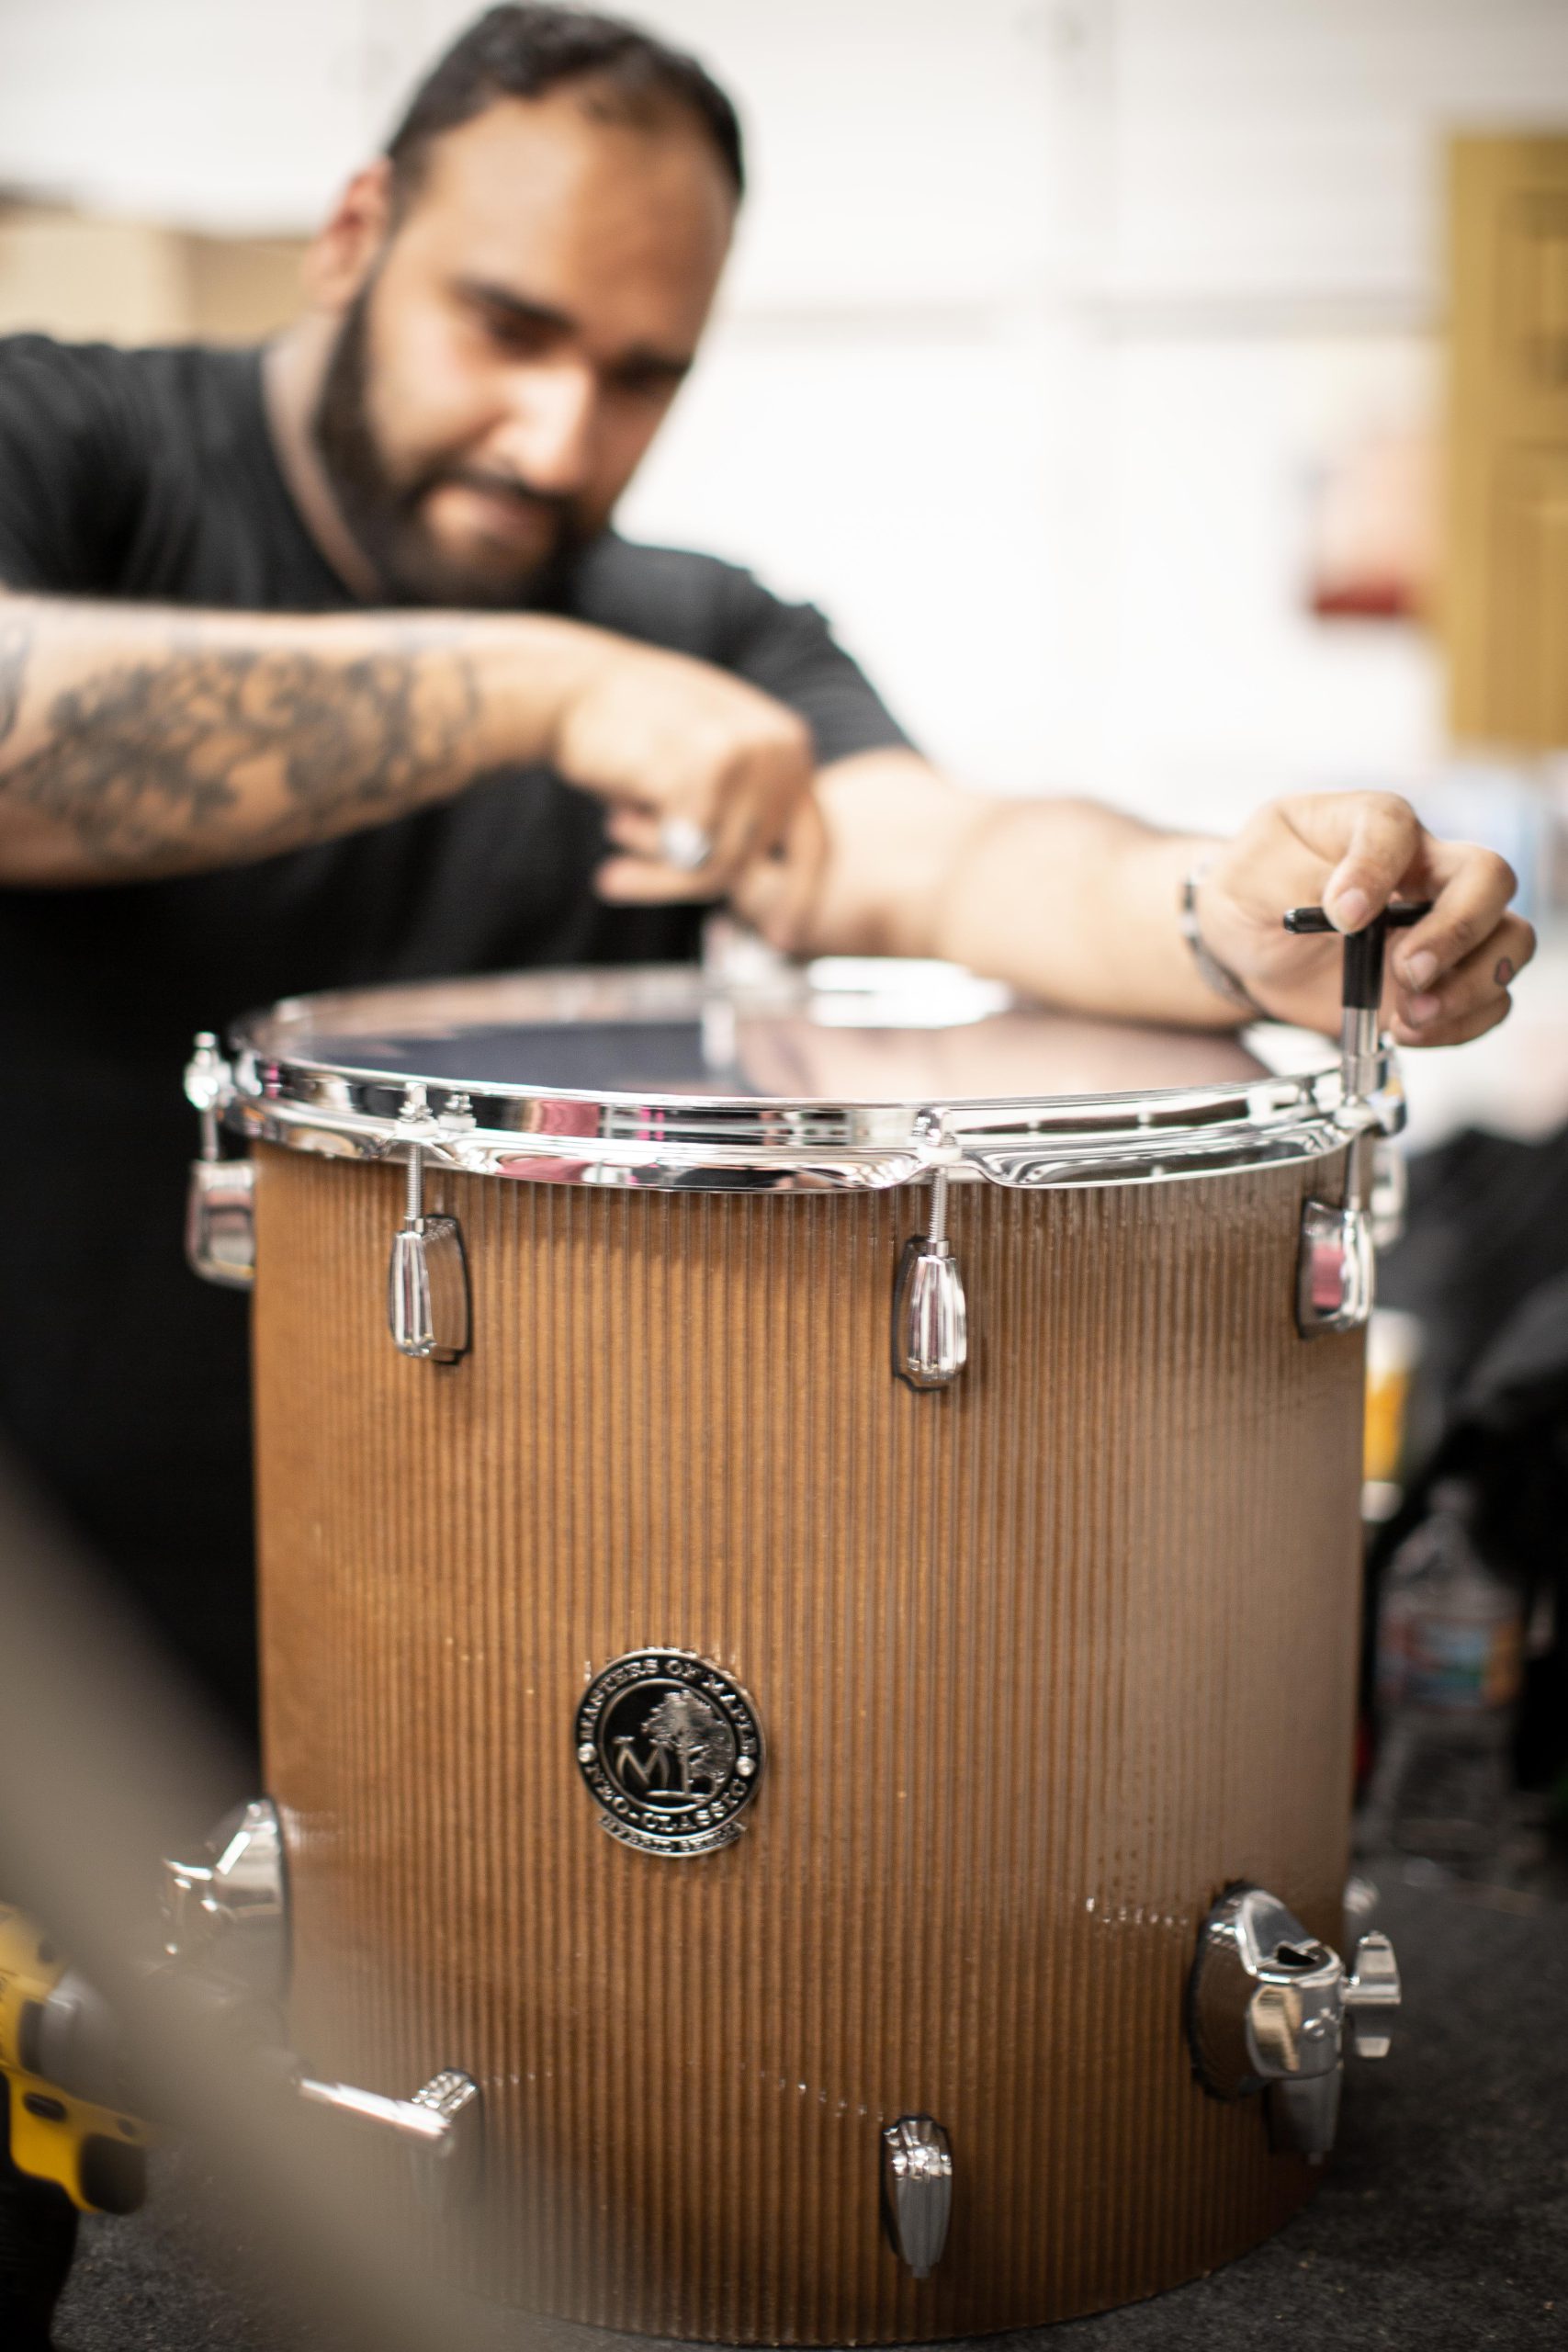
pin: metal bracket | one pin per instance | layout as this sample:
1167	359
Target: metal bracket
1267	2010
931	1320
917	2190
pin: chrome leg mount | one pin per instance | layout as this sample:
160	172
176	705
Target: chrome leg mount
1335	1278
427	1276
227	1911
226	1914
220	1243
930	1338
916	2191
1270	2009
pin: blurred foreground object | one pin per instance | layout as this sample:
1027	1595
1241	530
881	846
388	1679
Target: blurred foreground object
105	1768
67	2123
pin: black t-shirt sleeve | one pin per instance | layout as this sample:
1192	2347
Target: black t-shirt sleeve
790	650
72	467
699	605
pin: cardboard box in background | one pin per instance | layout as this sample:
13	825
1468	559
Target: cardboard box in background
129	281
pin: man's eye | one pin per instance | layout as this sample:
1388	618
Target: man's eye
509	333
646	383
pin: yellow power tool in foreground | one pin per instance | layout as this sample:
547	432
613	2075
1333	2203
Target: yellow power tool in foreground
59	2070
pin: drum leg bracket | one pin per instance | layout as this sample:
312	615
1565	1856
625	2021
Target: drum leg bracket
226	1914
1269	2008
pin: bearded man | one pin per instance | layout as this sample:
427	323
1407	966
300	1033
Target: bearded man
323	665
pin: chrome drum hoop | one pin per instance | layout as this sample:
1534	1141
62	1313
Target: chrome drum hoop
277	1089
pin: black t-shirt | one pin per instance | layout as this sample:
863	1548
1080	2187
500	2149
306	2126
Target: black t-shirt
150	475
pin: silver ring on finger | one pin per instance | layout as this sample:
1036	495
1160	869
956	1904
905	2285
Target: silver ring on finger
683	844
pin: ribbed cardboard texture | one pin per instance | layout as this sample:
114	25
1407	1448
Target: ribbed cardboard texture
1042	1662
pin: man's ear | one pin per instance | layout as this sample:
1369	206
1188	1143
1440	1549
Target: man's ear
342	252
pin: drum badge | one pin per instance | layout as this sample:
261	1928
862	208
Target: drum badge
672	1749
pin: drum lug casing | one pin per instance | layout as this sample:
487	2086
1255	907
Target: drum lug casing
220	1241
1336	1274
427	1290
917	2190
1269	2008
220	1235
427	1279
930	1316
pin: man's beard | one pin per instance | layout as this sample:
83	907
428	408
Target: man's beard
383	514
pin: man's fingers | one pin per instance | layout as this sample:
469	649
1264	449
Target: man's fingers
1482	979
1459	1031
779	894
1385	836
648	882
1475	887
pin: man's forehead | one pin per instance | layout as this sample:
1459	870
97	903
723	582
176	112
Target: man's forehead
571	182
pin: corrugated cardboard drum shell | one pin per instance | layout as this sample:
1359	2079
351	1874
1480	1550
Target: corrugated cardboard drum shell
1041	1661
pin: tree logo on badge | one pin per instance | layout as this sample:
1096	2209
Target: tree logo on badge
671	1750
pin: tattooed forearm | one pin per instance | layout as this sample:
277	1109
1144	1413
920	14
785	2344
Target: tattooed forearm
16	643
193	752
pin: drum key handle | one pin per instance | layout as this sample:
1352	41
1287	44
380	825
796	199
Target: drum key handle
1269	2008
930	1340
1336	1269
427	1275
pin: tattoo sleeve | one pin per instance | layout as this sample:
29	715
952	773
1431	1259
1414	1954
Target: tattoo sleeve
192	752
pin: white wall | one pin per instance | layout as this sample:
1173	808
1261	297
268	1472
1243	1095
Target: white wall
1041	308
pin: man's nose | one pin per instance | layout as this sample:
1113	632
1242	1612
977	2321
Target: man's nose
549	433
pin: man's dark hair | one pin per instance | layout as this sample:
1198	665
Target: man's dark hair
521	51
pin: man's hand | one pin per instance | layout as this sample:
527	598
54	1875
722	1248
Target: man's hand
1449	976
660	737
137	742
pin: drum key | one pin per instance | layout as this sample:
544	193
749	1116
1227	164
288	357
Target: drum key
1336	1269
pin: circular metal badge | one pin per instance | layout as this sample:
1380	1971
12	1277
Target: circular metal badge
672	1749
